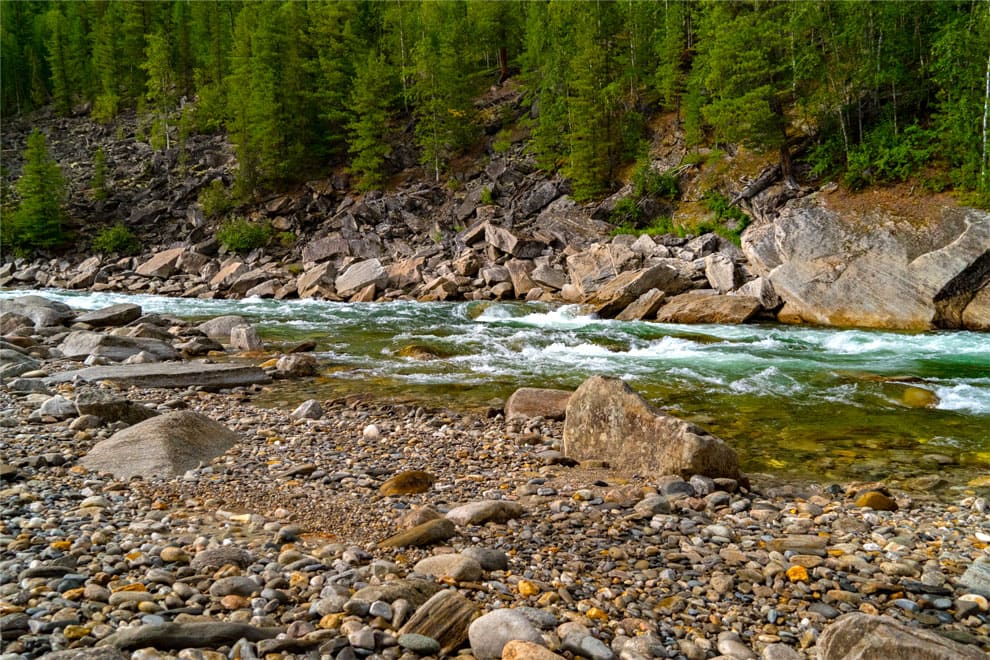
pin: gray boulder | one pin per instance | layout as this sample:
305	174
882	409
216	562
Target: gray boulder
166	445
491	632
858	636
245	338
14	363
113	315
220	327
81	344
168	375
43	312
317	281
360	275
625	288
607	420
162	264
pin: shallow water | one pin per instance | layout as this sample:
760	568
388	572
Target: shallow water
812	402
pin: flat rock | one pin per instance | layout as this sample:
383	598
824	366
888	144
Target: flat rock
166	445
977	577
430	532
92	653
114	315
644	307
453	566
214	558
110	408
858	636
529	402
407	482
708	307
479	513
162	264
168	375
81	344
607	420
174	636
360	275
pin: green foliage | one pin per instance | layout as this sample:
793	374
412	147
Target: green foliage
486	196
886	156
626	213
241	235
116	239
98	184
370	105
660	226
647	181
729	221
286	238
216	200
37	221
502	142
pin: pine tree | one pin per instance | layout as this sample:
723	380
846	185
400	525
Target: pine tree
161	89
98	184
370	111
37	222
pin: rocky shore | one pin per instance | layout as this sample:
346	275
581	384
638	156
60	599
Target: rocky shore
358	529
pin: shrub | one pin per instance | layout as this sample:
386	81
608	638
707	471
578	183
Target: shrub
215	200
37	221
649	182
729	222
886	157
502	142
626	213
486	196
659	227
240	235
98	184
116	239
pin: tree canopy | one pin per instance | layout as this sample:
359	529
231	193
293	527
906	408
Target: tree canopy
308	86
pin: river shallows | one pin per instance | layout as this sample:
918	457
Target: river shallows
825	403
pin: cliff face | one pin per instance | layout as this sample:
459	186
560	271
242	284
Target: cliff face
875	268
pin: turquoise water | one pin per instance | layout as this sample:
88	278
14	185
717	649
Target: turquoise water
828	403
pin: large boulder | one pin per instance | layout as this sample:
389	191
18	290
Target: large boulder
360	275
42	311
519	246
858	636
627	287
872	269
110	408
81	344
14	363
527	402
705	306
166	445
976	316
114	315
593	268
162	264
221	326
607	420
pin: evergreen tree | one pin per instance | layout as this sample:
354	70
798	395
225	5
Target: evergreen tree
98	184
161	89
37	222
369	126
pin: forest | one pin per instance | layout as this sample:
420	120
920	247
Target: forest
867	92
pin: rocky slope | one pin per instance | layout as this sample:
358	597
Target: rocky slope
500	229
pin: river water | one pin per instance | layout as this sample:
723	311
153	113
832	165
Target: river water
830	404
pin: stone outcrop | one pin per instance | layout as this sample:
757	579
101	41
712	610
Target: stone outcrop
607	420
166	445
705	306
114	315
873	269
43	312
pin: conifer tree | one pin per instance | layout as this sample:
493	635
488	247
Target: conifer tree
37	222
369	125
161	87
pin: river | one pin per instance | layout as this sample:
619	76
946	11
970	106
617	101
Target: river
830	404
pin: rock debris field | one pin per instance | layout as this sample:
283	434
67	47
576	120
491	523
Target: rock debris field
149	522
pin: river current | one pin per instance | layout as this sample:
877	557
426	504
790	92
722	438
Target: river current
832	404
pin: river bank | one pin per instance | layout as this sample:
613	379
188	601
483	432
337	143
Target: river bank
280	544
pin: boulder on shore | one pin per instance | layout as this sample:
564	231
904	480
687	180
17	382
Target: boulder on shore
166	445
858	636
537	402
168	375
607	420
706	306
81	344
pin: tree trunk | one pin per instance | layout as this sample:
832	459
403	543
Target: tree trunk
503	64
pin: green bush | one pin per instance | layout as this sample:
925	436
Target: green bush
240	235
649	182
215	200
98	184
659	227
887	157
486	196
502	142
729	221
116	239
626	213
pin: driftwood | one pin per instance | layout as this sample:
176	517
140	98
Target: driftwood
766	178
